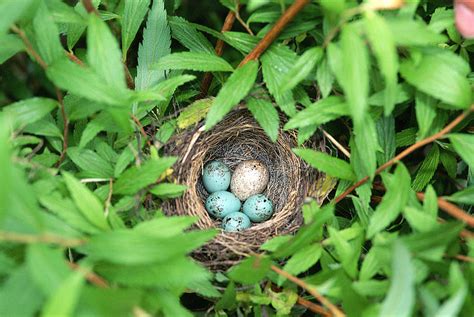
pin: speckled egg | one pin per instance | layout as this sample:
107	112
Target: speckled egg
249	178
236	221
216	176
258	208
222	203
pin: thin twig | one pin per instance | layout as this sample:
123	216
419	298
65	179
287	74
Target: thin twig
464	258
268	39
65	129
228	23
310	289
408	151
315	308
128	77
42	238
451	209
29	47
74	58
242	22
336	143
90	276
89	7
109	198
142	130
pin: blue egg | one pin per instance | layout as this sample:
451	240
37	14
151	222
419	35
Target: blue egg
216	176
258	208
222	203
236	221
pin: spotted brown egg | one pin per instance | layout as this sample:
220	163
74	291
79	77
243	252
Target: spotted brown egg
249	178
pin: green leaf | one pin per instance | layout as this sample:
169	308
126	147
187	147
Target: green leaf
86	201
133	14
82	81
325	77
301	68
138	177
276	62
420	220
156	44
401	295
408	32
11	44
465	196
47	35
266	115
47	267
355	78
454	304
170	304
103	53
29	111
425	108
91	164
386	137
232	92
383	45
194	113
250	270
320	112
12	11
168	190
64	300
203	62
188	36
135	248
427	169
435	75
19	295
464	146
366	142
302	260
395	199
326	163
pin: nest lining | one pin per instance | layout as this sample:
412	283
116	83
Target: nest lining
235	139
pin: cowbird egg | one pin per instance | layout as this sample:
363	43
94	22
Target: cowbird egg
249	178
258	208
222	203
216	176
236	221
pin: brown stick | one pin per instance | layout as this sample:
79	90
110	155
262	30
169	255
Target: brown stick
310	289
29	48
42	238
89	7
407	151
315	308
90	276
142	130
219	48
268	39
464	258
451	209
65	129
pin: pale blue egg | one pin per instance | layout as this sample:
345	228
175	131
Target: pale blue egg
258	208
222	203
236	221
216	176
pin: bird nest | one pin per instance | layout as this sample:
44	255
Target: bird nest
235	139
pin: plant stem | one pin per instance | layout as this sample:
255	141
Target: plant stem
313	307
65	129
310	289
451	209
219	48
89	7
408	151
42	238
271	36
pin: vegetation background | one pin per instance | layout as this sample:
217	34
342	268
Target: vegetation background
90	91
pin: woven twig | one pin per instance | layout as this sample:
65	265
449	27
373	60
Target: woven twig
235	139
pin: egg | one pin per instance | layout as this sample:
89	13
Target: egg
222	203
258	208
216	176
236	221
249	178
